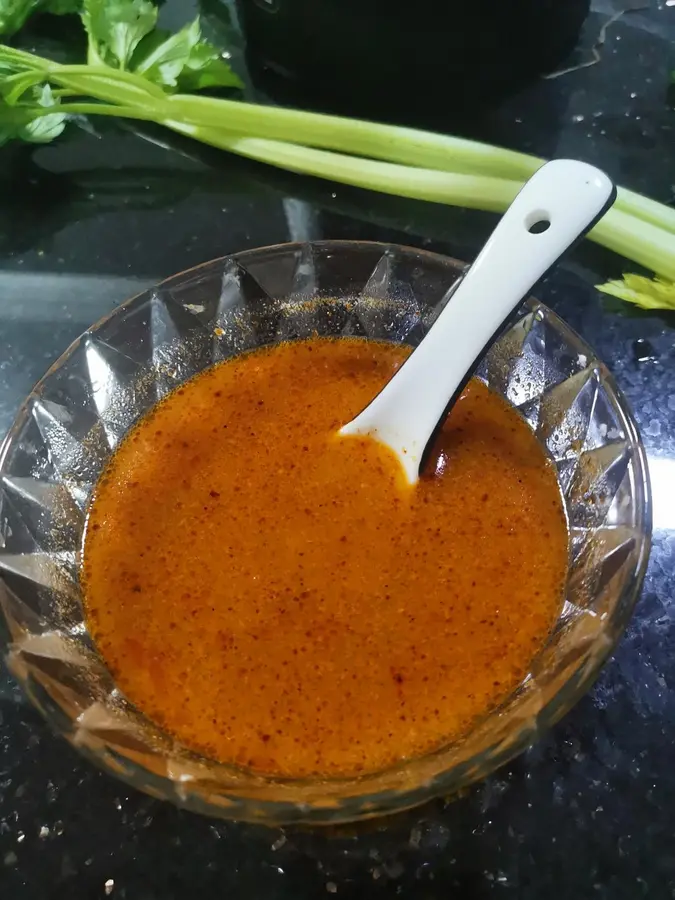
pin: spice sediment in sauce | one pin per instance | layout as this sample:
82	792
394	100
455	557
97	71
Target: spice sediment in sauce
276	597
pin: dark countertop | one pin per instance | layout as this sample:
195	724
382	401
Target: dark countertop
589	812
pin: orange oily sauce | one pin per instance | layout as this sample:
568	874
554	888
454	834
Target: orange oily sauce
276	598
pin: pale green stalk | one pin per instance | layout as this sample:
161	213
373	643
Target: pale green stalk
393	160
372	140
646	244
459	189
387	142
392	143
642	242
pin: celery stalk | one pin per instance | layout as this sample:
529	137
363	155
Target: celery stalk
373	140
640	241
390	159
459	189
386	142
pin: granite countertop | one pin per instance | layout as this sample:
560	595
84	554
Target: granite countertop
590	810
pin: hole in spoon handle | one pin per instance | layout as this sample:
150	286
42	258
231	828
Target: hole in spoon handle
538	222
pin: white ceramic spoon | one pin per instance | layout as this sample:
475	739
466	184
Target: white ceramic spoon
561	201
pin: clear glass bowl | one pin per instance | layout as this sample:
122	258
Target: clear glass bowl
71	423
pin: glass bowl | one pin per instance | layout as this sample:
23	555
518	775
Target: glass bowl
71	423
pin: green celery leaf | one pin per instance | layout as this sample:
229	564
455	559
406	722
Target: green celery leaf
162	57
43	129
13	14
116	27
206	68
20	121
648	293
182	60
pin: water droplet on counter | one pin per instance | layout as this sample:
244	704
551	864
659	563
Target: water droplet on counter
578	118
108	887
44	832
643	351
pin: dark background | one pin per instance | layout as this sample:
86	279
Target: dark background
587	813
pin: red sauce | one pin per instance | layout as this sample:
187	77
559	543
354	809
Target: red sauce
275	597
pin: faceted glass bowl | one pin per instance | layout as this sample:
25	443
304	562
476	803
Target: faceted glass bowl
71	423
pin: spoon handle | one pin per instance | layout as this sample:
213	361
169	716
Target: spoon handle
559	204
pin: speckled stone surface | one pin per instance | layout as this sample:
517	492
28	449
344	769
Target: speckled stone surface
587	813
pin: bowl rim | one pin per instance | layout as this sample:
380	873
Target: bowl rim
279	811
